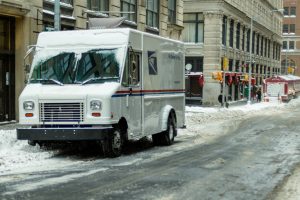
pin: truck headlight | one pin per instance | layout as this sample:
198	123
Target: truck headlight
28	105
95	105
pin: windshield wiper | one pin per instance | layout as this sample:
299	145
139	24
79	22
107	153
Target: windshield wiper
98	78
49	80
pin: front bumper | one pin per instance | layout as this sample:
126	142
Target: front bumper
64	134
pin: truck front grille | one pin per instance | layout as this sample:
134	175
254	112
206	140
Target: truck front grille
61	112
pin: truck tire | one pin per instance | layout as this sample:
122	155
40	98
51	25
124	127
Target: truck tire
112	147
166	137
32	142
169	135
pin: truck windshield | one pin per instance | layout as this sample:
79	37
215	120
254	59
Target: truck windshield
93	66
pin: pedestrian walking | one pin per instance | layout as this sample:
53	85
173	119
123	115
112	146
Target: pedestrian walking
258	93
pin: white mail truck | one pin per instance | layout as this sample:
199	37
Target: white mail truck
108	85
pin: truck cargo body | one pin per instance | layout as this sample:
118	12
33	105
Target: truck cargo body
94	84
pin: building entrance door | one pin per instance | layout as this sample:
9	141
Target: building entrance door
7	68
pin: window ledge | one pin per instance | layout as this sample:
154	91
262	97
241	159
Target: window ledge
64	5
175	26
193	43
94	13
153	30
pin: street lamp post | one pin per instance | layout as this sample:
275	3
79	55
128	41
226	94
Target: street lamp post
250	63
286	61
57	15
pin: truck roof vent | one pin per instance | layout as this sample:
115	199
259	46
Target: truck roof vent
103	23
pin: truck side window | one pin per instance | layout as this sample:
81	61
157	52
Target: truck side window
132	69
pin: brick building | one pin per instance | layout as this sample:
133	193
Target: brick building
22	21
290	56
214	30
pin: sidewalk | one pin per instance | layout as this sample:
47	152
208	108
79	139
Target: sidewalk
9	125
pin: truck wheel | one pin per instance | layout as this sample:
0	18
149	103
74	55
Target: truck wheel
31	142
167	137
112	147
156	139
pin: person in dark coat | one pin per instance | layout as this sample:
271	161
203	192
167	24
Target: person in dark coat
258	93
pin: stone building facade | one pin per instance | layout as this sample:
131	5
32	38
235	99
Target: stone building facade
290	55
218	29
22	21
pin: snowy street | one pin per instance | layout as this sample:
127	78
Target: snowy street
243	152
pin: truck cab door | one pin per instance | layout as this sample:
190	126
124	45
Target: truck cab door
131	82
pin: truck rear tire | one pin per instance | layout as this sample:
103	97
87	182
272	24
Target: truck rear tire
166	137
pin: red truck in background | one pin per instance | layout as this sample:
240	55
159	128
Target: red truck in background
285	87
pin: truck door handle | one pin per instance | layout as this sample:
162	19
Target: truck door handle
7	78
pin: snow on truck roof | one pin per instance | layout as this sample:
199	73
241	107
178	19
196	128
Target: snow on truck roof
117	36
83	38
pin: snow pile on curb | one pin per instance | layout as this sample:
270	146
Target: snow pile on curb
203	114
18	154
206	123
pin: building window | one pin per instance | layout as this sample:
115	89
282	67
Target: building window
262	46
97	5
248	40
237	66
231	28
197	63
257	45
266	44
269	48
293	11
243	38
152	13
230	65
253	42
291	44
292	28
238	35
224	30
284	45
129	6
192	88
286	11
172	11
285	28
274	48
193	28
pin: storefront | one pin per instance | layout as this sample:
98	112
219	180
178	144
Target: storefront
194	80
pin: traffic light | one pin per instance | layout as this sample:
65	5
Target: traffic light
290	70
217	76
225	63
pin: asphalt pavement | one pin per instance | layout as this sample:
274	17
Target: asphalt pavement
248	162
